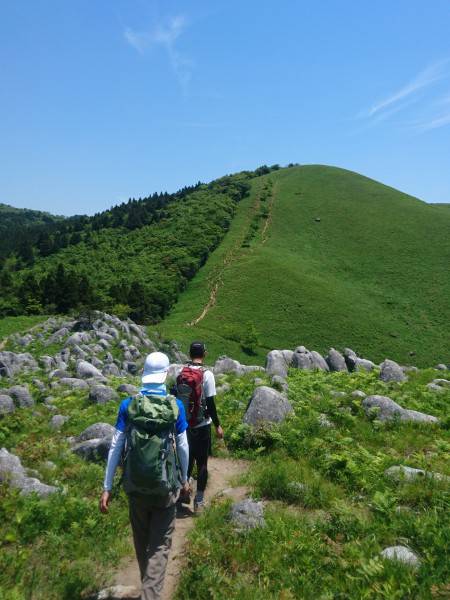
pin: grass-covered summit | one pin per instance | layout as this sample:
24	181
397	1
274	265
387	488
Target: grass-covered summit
324	257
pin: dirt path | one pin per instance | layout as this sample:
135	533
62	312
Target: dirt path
220	471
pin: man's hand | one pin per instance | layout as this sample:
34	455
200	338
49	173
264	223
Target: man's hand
104	501
219	432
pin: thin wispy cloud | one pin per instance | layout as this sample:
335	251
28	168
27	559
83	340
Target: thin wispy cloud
422	80
165	34
420	96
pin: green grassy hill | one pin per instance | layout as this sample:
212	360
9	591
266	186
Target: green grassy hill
324	257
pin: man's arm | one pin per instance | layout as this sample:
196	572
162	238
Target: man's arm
183	455
212	412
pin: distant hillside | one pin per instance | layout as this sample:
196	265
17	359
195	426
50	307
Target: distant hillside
321	256
132	259
14	222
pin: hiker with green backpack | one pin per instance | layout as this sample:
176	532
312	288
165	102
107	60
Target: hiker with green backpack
151	427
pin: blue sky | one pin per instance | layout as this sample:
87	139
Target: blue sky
103	100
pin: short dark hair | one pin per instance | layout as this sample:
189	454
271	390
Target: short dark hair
197	350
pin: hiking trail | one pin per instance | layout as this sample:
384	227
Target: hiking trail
220	472
236	250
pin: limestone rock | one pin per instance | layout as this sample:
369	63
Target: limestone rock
266	406
74	383
247	514
6	405
401	472
127	388
97	430
94	449
276	363
118	592
401	554
12	472
358	394
335	360
21	395
57	421
391	371
388	410
101	394
85	370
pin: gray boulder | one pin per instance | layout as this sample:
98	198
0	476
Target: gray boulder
442	367
13	473
318	361
362	364
111	370
130	367
301	358
58	336
74	383
401	554
127	388
95	431
358	394
247	515
335	360
47	362
118	592
21	395
25	340
401	472
277	363
85	370
12	363
224	364
101	394
434	387
267	406
59	374
6	404
79	337
57	421
388	410
95	450
391	371
39	384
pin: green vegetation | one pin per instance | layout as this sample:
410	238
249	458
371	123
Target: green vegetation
135	257
56	548
324	257
10	325
329	508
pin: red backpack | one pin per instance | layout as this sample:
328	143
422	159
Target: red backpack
190	392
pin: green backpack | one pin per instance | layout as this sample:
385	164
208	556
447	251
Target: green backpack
150	462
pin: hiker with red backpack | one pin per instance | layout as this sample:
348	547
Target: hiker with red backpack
196	387
151	427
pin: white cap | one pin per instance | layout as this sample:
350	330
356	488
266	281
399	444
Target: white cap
155	368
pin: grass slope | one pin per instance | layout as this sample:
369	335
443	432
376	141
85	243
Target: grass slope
329	508
372	273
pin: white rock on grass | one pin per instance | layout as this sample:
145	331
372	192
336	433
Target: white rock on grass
335	360
358	394
391	371
266	406
387	410
402	472
21	394
13	473
401	554
85	370
247	514
6	405
101	394
276	363
118	592
57	421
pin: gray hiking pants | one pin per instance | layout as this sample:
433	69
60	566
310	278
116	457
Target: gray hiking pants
152	534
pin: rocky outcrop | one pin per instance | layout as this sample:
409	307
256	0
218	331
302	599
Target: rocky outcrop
335	360
6	404
247	515
224	364
401	472
13	473
86	370
277	363
386	409
101	394
391	371
401	554
267	406
21	395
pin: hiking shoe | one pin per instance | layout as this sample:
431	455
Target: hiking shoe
185	497
199	506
